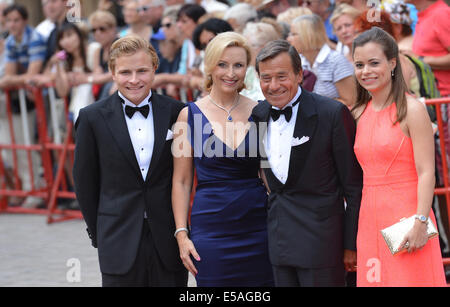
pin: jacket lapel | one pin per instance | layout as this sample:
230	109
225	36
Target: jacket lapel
115	120
305	127
161	122
261	115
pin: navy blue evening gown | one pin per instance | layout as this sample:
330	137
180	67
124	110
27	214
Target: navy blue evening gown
229	218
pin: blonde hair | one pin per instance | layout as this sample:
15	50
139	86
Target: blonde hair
293	12
311	30
103	17
129	45
215	49
344	9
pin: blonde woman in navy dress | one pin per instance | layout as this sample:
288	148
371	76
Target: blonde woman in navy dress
227	242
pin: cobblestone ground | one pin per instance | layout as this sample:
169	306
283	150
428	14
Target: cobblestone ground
34	254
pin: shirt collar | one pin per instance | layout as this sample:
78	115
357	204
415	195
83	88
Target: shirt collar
142	103
323	53
25	36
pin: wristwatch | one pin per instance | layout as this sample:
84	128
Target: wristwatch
421	218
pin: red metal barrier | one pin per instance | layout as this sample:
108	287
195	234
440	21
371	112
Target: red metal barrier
445	190
17	190
46	148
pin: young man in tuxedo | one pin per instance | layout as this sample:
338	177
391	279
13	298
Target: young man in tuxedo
311	168
123	173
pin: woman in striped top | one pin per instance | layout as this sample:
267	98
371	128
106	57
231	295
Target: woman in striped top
334	72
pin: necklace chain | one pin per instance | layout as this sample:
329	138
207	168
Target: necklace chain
229	118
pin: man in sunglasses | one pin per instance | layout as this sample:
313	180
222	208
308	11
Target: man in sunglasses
152	11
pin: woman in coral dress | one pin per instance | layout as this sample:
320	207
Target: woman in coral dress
394	145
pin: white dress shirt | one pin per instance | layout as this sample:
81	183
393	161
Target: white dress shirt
278	141
142	134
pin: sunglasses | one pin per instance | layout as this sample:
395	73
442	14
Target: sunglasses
101	29
167	25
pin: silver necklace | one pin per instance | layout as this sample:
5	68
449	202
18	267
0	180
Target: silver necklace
229	118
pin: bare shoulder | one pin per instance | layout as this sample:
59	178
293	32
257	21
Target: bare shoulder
416	110
202	102
183	116
358	111
417	119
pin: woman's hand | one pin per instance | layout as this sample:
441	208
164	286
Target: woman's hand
416	238
187	249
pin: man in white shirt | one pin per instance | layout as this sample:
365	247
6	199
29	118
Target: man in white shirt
123	173
309	167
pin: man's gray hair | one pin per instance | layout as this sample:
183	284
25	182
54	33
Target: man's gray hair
273	49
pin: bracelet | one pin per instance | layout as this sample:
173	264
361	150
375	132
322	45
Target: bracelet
179	230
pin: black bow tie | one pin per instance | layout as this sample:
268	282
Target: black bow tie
129	110
275	114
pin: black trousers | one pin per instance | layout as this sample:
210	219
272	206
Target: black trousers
288	276
148	269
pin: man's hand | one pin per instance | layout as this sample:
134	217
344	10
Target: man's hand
350	260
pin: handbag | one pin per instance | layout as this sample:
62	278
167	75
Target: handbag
394	234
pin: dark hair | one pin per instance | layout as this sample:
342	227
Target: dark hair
16	7
213	25
406	30
67	27
273	49
390	49
193	11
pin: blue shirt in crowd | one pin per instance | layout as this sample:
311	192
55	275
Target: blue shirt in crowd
32	48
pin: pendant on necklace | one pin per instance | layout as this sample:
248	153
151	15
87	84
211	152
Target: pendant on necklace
230	118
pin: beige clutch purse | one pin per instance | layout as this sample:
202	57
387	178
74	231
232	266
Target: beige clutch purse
394	235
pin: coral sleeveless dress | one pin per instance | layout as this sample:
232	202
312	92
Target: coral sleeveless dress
386	156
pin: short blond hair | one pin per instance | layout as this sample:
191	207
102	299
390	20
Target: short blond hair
103	17
344	9
129	45
215	49
293	12
311	31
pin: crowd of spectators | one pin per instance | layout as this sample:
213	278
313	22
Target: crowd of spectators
321	30
73	57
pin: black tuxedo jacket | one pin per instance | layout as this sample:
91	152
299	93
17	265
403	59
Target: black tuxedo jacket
307	223
111	191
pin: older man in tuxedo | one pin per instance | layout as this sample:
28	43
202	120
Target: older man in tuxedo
123	173
310	169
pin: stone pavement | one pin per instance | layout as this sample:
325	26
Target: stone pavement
34	254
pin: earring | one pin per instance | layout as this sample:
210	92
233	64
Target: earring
392	74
